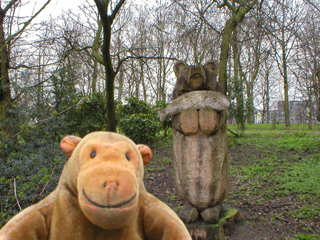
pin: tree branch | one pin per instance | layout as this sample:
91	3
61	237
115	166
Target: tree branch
9	5
15	193
116	10
96	43
139	57
313	5
226	3
26	24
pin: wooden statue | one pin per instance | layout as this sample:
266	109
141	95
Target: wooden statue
199	141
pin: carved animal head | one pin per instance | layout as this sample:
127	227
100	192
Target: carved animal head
105	170
195	77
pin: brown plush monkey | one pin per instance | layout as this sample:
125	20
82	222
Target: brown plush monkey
195	77
100	196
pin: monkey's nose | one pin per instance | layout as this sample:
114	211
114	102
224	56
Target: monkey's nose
109	183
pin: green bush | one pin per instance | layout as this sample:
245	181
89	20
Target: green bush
141	128
34	167
90	115
138	121
134	106
167	124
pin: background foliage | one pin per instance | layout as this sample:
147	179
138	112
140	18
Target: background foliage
138	121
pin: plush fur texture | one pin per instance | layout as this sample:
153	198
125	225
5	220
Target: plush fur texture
100	196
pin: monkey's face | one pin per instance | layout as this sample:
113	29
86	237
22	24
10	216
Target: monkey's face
107	183
106	170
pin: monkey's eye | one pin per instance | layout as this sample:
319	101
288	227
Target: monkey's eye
93	154
127	157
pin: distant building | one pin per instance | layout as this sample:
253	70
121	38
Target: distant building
299	112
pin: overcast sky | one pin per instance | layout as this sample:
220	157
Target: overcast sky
56	7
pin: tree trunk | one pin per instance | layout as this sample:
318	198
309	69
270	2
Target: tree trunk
163	85
161	95
253	76
318	94
94	76
226	37
110	76
266	100
236	18
268	97
285	74
238	83
39	91
249	103
107	21
137	83
120	89
143	80
310	113
286	90
5	91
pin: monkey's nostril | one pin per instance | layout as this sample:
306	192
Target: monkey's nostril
114	183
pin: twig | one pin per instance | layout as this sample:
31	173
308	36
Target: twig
63	111
15	193
48	181
233	133
25	25
7	140
44	120
285	220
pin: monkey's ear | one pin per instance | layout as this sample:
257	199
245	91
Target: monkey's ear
145	152
212	66
68	144
179	67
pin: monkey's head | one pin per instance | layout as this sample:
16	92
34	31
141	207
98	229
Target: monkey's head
105	170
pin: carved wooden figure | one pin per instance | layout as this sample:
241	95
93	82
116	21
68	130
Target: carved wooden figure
199	141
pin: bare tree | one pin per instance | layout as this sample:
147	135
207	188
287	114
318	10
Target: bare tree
307	59
107	21
282	32
7	38
238	11
315	5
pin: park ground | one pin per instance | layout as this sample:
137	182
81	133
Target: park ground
275	181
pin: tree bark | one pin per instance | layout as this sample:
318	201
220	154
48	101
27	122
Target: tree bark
285	83
94	76
253	76
107	21
266	99
120	89
236	18
318	107
5	91
249	103
5	43
238	83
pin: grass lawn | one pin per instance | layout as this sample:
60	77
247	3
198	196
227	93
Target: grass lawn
269	128
276	180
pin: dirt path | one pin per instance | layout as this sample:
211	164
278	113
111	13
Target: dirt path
263	221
